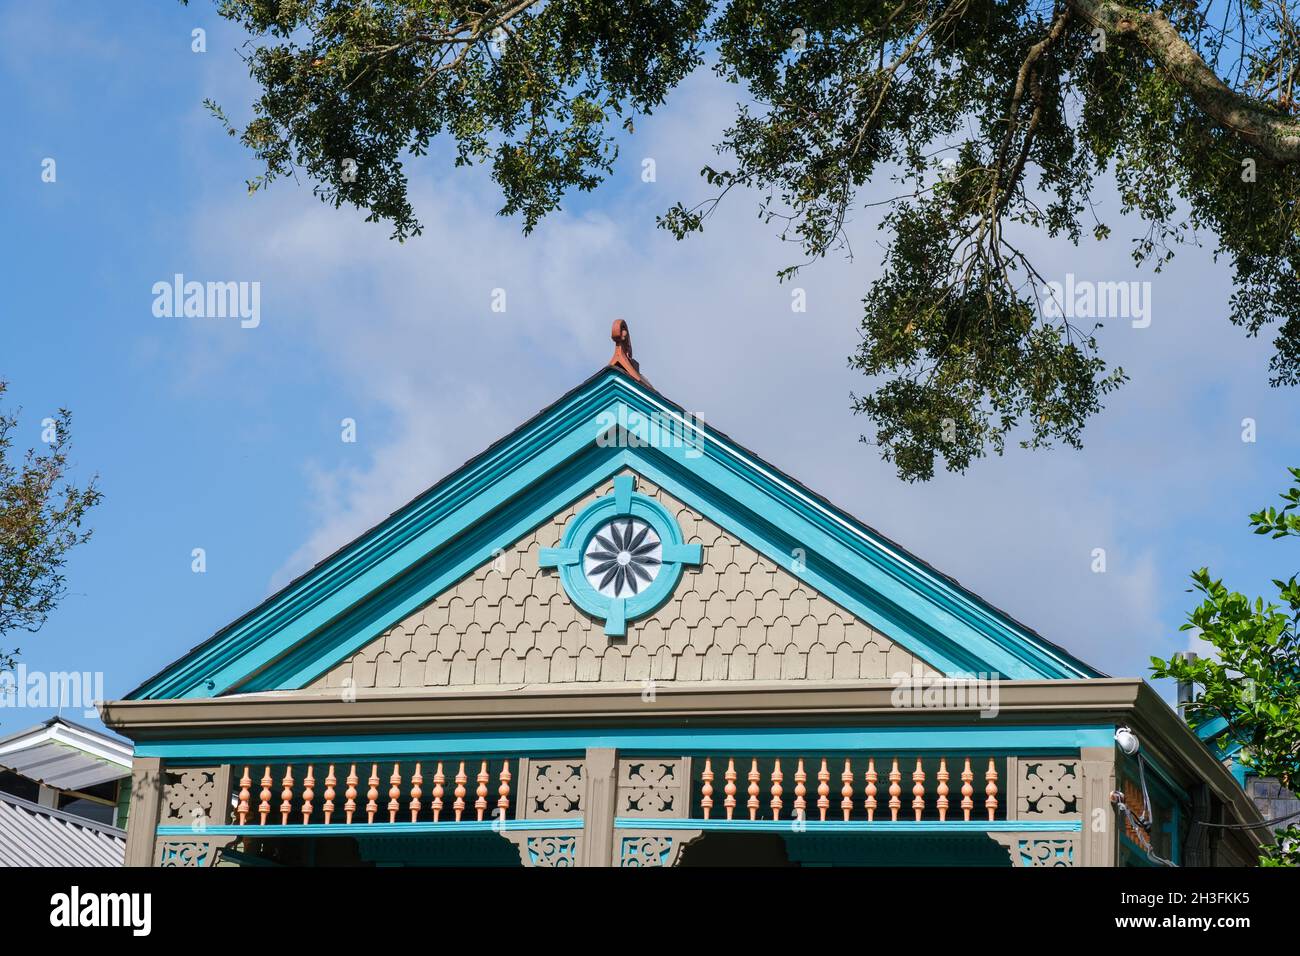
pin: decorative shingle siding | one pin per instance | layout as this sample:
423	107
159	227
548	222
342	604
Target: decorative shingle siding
737	617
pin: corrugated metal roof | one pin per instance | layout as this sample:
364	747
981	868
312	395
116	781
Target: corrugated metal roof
59	753
32	835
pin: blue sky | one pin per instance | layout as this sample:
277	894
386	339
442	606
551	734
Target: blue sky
208	435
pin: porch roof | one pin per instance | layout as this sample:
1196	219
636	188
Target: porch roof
61	754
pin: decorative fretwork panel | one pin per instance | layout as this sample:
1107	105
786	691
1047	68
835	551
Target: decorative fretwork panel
652	787
1046	851
1032	849
552	851
196	797
555	787
740	616
1048	787
645	850
190	851
639	848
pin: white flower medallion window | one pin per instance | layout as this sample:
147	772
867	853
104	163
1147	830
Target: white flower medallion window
623	558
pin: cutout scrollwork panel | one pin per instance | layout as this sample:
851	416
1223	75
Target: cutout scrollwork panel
651	848
195	797
547	850
1049	787
555	787
1032	850
652	787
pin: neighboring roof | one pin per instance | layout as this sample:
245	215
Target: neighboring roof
32	835
68	756
911	602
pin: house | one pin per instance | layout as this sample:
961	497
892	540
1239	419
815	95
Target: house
64	796
617	638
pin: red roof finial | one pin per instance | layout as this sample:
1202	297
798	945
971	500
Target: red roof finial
623	360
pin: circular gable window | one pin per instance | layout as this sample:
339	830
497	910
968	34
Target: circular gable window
623	558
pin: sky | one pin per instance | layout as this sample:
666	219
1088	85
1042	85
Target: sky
208	435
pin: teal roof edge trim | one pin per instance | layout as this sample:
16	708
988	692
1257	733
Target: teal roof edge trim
352	596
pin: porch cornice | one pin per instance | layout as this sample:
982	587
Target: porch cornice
480	707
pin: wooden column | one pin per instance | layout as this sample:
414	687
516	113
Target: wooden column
142	817
598	816
1099	841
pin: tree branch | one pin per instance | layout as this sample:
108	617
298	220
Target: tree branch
1276	135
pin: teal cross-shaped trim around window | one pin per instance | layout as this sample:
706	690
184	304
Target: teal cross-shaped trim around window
624	502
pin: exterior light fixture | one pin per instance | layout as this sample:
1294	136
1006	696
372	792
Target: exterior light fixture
1127	740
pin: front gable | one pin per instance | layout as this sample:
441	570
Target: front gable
761	529
736	616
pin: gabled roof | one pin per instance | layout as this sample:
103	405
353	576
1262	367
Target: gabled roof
32	835
64	755
546	464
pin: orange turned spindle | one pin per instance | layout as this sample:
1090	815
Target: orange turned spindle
394	794
372	794
967	804
942	802
308	794
245	782
286	796
991	803
870	802
729	800
350	804
918	790
823	790
777	777
800	791
330	781
894	790
752	802
439	778
503	791
846	791
461	778
264	806
481	791
706	788
417	779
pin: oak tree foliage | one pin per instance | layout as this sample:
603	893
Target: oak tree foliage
41	515
992	123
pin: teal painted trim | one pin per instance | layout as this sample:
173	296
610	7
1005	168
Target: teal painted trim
703	741
1212	728
374	829
447	510
853	826
346	601
949	606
